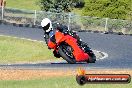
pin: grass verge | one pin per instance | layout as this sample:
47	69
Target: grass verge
56	82
16	50
31	5
23	4
54	78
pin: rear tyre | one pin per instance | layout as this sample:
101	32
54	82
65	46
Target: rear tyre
85	47
92	57
66	54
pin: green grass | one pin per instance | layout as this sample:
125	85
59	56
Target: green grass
56	82
23	4
31	5
17	50
77	11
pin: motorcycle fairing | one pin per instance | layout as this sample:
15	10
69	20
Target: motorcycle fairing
78	53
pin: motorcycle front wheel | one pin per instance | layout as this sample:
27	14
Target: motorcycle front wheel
66	53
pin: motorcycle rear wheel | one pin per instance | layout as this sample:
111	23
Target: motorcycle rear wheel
92	58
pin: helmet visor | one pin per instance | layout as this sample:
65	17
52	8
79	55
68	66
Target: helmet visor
46	27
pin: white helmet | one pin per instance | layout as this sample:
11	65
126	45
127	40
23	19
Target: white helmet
46	24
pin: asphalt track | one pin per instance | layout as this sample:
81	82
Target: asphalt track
118	47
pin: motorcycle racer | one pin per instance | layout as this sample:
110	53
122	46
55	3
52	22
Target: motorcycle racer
50	37
49	31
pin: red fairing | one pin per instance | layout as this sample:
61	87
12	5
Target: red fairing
78	53
59	37
81	56
51	44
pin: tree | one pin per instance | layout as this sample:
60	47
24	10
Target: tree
117	9
58	5
79	4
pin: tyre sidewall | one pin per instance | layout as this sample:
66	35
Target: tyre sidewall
64	56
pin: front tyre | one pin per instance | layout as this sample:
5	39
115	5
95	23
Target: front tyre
66	54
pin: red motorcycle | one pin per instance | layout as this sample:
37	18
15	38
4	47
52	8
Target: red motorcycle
67	47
